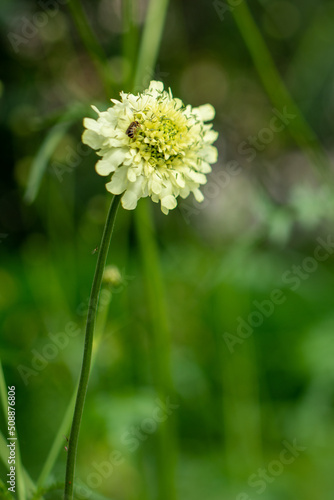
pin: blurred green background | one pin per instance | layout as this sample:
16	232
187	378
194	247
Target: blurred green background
242	392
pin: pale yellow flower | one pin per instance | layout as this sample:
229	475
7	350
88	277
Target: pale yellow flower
153	145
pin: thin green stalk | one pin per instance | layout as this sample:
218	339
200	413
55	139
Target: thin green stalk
240	385
129	40
150	43
160	347
92	45
299	128
155	291
84	376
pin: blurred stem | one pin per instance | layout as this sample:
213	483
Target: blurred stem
130	40
160	346
150	43
84	376
155	292
92	45
299	128
242	443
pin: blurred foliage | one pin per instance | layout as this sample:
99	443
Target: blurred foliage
257	231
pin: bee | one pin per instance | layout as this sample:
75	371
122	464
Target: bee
132	129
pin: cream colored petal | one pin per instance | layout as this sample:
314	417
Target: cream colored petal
205	167
95	109
206	112
209	154
178	103
157	86
132	174
119	181
109	163
198	195
91	124
92	139
197	177
155	183
155	198
179	179
169	202
104	167
130	200
184	193
133	194
211	136
156	187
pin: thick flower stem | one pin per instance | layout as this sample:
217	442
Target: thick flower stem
86	362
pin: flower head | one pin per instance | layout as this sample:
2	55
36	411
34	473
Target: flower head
153	146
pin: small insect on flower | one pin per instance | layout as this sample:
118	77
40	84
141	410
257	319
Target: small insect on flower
65	447
131	131
166	154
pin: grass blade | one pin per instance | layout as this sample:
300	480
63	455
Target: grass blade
151	38
299	128
29	485
42	158
92	45
58	443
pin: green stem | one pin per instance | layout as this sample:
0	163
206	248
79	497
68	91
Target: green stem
86	362
155	294
92	45
280	96
160	348
150	43
130	40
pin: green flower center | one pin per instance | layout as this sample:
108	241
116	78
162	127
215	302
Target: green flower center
160	138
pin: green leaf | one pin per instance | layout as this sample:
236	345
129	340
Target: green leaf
75	112
42	158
